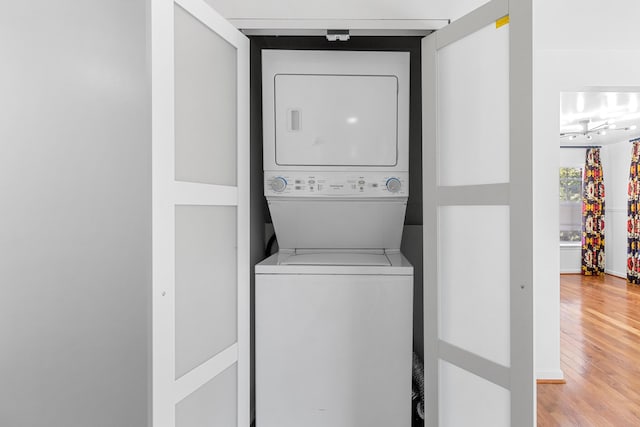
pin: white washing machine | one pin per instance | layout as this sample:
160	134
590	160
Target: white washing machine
334	340
334	307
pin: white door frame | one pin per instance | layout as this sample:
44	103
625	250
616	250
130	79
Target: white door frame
168	193
517	194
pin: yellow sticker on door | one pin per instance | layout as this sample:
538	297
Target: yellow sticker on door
502	21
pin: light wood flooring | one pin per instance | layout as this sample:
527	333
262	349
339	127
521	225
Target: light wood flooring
600	355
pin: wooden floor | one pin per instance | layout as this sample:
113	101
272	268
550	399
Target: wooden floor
600	347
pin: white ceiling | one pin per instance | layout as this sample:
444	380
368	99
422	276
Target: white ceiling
619	108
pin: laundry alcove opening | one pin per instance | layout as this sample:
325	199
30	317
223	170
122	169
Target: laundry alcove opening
261	228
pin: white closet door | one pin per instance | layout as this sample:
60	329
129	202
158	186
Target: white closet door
477	168
200	313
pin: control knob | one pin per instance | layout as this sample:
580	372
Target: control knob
278	184
393	185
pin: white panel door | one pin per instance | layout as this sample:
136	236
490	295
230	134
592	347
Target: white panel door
200	312
477	170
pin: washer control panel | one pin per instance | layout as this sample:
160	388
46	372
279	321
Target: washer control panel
338	184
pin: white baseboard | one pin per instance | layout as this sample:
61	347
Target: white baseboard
617	274
550	375
611	272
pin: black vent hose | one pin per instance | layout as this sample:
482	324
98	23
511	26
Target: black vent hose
418	384
273	239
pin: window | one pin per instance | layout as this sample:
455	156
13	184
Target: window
570	205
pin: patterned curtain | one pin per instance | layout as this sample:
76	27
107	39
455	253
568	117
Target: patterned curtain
592	215
633	221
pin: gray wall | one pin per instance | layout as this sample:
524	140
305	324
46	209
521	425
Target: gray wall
75	230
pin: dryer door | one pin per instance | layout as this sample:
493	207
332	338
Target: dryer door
336	120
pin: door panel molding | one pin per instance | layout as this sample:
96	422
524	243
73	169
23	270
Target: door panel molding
523	409
187	193
484	368
199	376
430	228
472	22
485	195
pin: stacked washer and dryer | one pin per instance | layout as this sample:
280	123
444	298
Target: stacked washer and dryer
333	308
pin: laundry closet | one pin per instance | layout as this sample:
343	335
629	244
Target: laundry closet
441	209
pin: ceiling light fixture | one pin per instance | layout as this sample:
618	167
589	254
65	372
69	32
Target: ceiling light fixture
588	132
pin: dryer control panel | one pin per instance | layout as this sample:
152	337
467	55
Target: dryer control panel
336	184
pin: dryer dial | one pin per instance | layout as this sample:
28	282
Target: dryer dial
278	184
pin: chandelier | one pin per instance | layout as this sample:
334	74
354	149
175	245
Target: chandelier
588	132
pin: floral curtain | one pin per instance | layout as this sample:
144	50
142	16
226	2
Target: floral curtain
592	215
633	220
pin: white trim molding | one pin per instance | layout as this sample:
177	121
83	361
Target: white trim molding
356	27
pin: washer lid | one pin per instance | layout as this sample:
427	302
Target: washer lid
397	264
335	258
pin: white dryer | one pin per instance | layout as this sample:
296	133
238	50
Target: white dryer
334	307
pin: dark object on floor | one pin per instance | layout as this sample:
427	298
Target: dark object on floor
417	394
